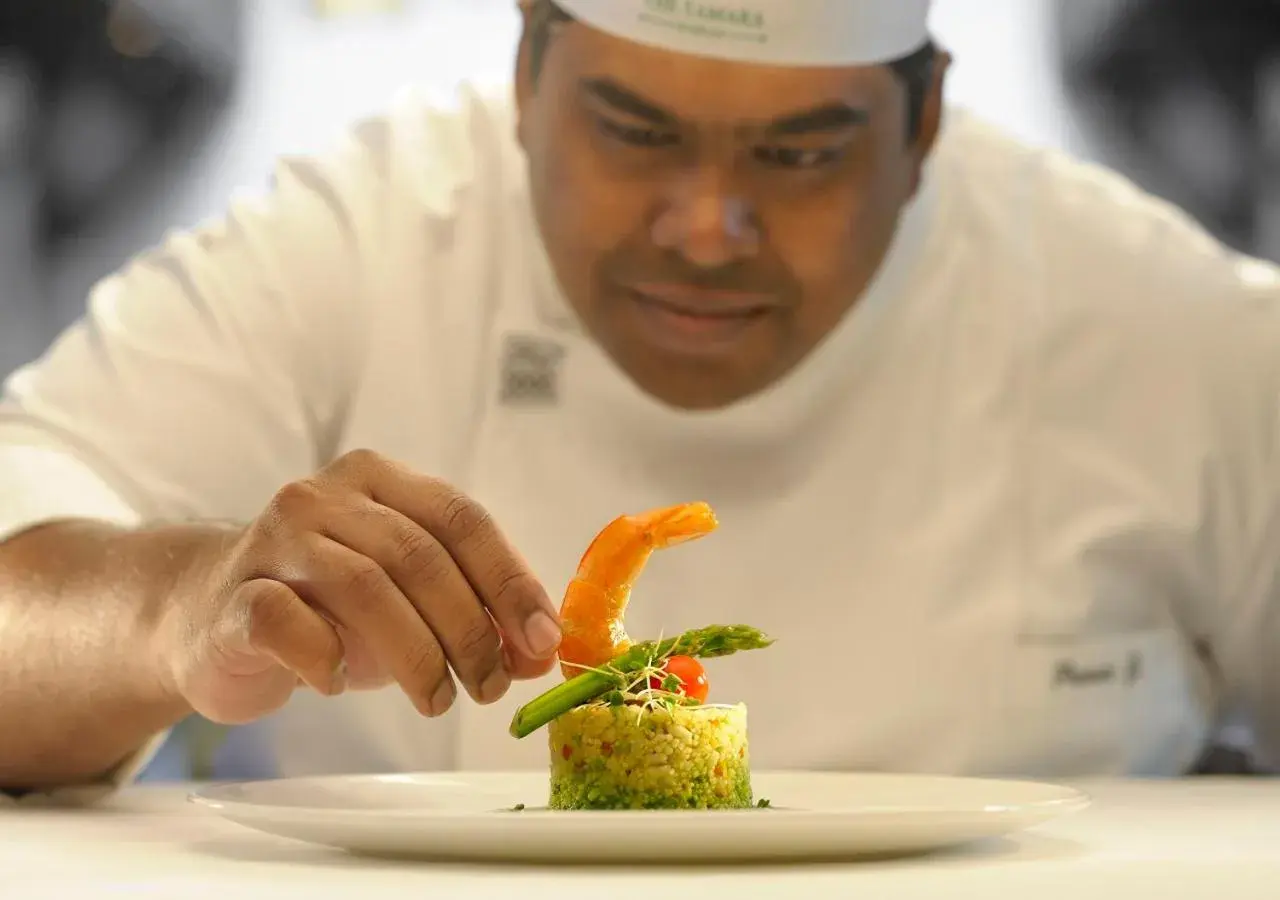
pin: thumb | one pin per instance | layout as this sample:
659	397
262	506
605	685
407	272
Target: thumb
521	667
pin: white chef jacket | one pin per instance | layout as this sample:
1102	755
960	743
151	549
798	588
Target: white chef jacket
1016	516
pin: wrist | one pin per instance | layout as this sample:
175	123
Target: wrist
193	553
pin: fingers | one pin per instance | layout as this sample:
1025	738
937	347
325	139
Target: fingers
360	597
501	580
281	626
413	573
423	570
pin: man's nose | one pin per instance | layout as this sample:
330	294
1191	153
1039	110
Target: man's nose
706	220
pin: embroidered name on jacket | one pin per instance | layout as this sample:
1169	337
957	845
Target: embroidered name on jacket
1070	673
530	374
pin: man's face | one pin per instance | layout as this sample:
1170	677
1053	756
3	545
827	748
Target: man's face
711	222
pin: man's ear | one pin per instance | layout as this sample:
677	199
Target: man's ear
524	72
931	115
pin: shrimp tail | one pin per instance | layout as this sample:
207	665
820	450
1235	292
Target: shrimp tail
595	602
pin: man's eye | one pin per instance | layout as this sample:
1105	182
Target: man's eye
635	136
795	158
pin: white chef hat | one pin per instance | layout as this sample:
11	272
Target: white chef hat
768	32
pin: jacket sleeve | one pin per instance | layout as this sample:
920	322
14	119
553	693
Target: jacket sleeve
1246	646
209	371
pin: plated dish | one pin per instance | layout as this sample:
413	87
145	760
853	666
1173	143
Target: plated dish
641	767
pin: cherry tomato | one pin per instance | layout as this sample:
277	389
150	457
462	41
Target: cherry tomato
693	677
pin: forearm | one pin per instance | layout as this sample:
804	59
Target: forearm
82	685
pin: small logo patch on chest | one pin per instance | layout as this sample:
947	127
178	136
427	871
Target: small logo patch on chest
530	373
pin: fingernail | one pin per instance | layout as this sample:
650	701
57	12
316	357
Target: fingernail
338	684
495	685
443	698
542	634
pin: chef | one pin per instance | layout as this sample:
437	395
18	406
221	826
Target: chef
991	435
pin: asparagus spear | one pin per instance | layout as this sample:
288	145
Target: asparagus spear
709	642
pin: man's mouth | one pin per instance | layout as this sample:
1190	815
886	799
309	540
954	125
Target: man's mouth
695	322
704	303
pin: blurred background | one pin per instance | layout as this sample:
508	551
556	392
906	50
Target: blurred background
123	119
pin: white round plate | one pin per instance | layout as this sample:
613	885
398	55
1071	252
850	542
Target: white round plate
473	816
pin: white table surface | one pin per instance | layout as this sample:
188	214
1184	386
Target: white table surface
1215	839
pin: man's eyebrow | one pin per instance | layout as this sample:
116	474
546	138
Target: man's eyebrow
622	100
826	118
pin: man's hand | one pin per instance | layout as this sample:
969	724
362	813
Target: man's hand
363	575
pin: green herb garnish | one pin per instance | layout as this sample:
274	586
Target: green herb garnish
625	672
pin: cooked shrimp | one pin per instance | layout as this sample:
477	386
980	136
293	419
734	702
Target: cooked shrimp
595	602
